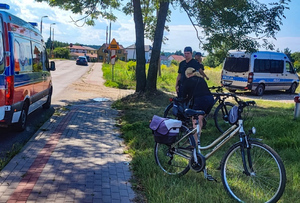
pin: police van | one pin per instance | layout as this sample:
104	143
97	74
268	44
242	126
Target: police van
260	71
25	80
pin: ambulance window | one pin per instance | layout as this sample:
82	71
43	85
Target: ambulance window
22	55
1	49
37	57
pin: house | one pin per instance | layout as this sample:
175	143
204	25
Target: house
78	50
103	53
178	58
131	52
165	61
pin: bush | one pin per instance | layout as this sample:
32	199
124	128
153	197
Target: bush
175	63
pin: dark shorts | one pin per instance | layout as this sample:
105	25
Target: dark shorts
204	103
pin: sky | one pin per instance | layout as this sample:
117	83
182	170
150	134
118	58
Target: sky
181	33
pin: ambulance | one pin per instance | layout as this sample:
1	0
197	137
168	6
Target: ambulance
259	72
25	79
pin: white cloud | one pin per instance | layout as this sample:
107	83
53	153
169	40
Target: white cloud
293	43
123	30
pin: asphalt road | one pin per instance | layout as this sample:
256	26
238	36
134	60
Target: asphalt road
66	73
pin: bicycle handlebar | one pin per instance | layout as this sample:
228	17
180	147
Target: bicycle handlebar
246	103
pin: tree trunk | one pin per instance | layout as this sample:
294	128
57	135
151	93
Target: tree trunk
158	38
140	47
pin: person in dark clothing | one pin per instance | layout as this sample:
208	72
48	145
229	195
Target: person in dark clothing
198	57
196	87
188	62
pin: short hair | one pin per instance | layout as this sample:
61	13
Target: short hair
188	49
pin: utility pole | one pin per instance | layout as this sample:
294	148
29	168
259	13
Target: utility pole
50	39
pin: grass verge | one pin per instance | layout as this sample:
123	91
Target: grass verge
274	123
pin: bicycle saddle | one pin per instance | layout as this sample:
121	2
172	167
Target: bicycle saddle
192	112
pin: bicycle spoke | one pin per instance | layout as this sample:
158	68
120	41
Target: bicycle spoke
266	181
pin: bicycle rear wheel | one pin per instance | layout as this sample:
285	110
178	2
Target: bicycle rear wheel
168	112
267	178
221	116
175	160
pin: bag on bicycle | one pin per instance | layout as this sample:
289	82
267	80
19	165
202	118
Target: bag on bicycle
165	130
179	105
233	115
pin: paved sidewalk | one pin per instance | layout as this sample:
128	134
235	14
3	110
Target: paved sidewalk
74	157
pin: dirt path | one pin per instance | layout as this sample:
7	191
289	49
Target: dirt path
91	86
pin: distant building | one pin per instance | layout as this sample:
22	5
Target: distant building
131	52
165	61
178	58
76	51
103	53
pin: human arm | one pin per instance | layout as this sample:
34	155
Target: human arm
177	82
203	74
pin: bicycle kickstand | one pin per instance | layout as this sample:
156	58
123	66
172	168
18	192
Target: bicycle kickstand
208	176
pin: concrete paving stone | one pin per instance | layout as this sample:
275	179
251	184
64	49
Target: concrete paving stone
116	196
106	198
115	201
123	192
59	200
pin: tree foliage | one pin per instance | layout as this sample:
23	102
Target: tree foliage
236	24
61	52
90	9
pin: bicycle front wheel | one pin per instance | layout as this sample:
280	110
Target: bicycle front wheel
267	178
221	116
174	160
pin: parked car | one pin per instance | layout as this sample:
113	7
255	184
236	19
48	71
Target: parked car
25	79
82	60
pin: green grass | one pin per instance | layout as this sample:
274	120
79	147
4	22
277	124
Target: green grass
124	76
274	123
273	120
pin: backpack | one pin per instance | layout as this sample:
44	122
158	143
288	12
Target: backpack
165	130
179	105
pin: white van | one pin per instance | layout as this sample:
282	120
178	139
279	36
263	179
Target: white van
260	71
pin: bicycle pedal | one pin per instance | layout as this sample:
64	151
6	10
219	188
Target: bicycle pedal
210	178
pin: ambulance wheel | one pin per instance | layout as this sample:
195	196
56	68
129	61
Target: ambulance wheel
47	105
21	125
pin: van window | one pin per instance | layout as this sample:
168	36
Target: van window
37	57
233	64
289	67
22	55
1	49
268	66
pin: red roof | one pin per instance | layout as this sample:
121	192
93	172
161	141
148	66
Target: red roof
177	57
84	54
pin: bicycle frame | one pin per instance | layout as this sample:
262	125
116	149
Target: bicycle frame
218	142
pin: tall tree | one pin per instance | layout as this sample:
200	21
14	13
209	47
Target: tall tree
140	47
158	39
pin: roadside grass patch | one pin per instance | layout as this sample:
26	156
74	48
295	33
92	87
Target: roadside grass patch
274	123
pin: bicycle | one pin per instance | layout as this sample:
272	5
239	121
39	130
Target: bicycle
220	115
250	170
